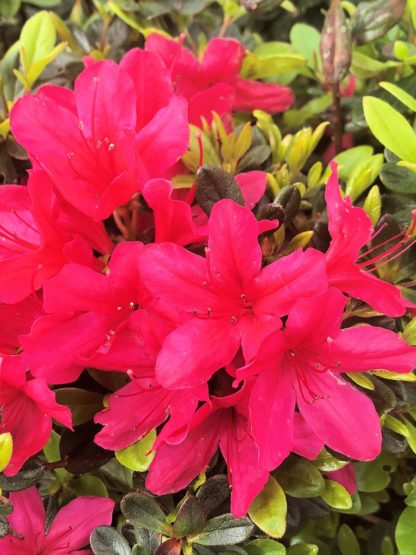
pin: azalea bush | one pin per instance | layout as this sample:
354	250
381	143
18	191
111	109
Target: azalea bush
207	271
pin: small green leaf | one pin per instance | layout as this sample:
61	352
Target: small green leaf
372	204
144	512
190	518
6	449
37	38
336	495
105	540
303	549
138	456
87	484
300	478
374	475
224	530
404	97
363	175
9	8
390	128
39	65
265	547
306	39
269	508
405	533
347	541
349	159
398	179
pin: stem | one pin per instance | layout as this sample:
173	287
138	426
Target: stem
64	463
225	24
336	118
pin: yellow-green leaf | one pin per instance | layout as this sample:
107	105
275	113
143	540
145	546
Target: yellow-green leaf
372	204
37	38
269	508
6	449
390	128
336	495
404	97
138	455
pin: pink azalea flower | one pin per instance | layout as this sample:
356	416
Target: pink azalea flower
39	233
27	408
223	423
176	221
69	532
91	320
351	229
16	320
123	423
103	141
214	83
301	366
227	299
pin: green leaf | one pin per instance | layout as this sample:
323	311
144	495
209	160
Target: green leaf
411	437
300	478
37	38
363	175
265	547
6	449
28	476
144	512
87	484
350	158
306	39
405	533
190	518
39	65
398	179
260	67
336	495
347	541
404	97
269	508
365	67
9	8
224	530
303	549
83	404
43	3
372	205
105	540
390	128
374	475
138	456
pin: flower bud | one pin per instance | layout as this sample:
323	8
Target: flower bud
335	46
214	184
372	20
289	198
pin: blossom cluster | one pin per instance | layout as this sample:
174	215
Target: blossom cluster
223	348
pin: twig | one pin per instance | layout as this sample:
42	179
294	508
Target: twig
336	119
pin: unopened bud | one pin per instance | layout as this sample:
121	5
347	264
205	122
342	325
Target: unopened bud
214	184
372	20
289	198
260	6
335	46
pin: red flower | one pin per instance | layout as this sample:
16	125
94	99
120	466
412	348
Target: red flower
227	300
214	83
27	408
91	320
69	532
302	365
39	233
103	141
351	229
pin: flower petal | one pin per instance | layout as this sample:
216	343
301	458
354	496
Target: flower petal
341	416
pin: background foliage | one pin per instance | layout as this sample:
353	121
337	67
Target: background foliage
302	511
